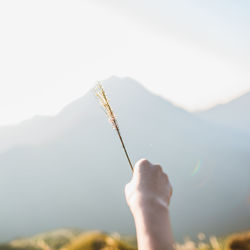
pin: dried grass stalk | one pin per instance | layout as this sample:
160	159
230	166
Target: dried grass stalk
102	97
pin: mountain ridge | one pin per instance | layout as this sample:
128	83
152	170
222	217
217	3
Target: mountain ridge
77	179
231	114
23	134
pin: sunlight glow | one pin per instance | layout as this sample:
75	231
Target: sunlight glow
52	52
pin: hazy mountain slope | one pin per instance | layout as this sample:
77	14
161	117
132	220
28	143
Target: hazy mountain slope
77	180
36	131
234	114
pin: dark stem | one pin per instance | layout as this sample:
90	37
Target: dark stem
125	150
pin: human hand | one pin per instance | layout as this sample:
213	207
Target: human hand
148	188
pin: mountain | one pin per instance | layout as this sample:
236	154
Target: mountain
234	114
36	131
76	178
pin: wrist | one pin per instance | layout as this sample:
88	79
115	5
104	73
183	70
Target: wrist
146	204
152	224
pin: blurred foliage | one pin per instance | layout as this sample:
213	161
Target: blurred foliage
96	241
50	240
77	240
240	241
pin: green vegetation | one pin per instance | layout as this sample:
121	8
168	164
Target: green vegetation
96	240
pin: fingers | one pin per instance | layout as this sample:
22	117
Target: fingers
158	168
149	181
144	165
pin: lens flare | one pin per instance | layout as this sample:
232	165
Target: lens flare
197	167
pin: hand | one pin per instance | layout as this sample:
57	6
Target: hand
148	188
148	196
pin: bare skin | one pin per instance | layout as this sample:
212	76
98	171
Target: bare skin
148	196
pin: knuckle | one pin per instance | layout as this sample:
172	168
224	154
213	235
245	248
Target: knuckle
158	169
142	163
166	176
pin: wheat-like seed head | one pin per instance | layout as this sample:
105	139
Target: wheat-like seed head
102	97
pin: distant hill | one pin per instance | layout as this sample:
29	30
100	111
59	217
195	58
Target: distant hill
75	177
234	114
34	132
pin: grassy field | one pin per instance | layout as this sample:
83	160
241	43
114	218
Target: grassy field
66	239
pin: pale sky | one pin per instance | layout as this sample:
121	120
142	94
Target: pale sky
194	53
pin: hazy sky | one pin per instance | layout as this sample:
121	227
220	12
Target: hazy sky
195	53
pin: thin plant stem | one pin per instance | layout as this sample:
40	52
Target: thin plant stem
125	150
102	97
